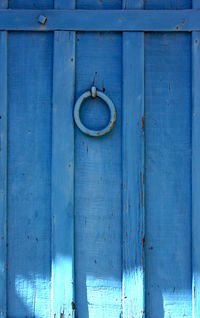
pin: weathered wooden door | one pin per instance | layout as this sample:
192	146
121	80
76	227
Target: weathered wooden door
100	226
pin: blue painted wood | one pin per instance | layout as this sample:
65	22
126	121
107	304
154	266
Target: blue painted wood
167	4
168	175
195	4
91	20
133	175
106	240
133	171
3	171
62	183
98	254
195	170
31	4
29	167
62	188
195	176
99	4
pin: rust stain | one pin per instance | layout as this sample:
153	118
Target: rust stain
73	305
177	27
143	241
141	187
61	315
194	293
142	122
113	123
183	21
143	179
142	198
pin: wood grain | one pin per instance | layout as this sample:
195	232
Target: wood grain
62	189
3	169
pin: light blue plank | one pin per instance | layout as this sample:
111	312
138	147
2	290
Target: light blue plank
195	4
29	177
133	175
168	175
3	172
195	174
133	171
91	20
63	176
98	254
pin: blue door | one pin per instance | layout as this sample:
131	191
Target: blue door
99	159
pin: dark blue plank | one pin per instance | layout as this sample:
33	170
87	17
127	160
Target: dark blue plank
29	167
99	4
168	175
31	4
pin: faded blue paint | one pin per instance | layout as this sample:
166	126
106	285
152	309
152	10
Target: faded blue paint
99	227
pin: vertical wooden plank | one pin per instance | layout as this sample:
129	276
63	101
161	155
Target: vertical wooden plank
133	175
29	169
195	170
195	174
3	169
63	304
168	169
63	176
133	171
98	252
168	175
29	173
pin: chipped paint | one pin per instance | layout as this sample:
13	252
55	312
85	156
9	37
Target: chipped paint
73	305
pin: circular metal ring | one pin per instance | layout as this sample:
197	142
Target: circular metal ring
94	93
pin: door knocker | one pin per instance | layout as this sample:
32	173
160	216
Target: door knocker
95	93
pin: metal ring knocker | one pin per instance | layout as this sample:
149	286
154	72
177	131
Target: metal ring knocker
94	93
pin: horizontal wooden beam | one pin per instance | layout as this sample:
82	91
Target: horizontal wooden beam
100	20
